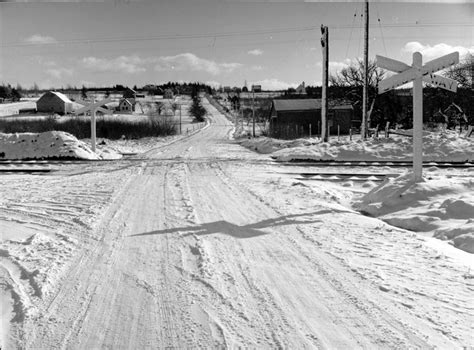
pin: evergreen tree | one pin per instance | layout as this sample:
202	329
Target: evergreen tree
197	110
83	92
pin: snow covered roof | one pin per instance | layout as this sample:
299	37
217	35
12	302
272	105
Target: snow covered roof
63	97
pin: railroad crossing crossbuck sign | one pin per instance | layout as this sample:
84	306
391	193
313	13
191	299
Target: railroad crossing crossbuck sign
417	73
93	108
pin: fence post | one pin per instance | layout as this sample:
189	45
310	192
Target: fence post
350	134
338	132
310	130
319	127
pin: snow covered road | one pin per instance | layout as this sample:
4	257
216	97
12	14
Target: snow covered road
202	244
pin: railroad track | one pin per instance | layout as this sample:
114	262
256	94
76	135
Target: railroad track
322	163
45	166
320	176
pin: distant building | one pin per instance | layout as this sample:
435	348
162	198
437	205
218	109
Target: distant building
129	93
126	105
292	118
257	88
301	89
168	94
227	89
54	102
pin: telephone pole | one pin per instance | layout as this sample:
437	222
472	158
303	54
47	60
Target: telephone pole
253	112
324	100
366	72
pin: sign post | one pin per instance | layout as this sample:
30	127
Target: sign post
93	108
418	73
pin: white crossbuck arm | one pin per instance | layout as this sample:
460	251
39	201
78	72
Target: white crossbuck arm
391	64
97	105
397	80
408	75
440	63
441	82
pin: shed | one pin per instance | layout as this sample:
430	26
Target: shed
291	118
54	102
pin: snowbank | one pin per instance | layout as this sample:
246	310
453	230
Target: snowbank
440	207
51	144
268	145
446	146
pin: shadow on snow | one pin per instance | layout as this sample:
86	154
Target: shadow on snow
244	231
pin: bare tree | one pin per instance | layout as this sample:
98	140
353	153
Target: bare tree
353	75
463	72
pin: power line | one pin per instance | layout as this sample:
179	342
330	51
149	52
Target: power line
408	25
163	37
222	35
350	36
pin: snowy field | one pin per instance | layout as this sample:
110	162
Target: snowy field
198	242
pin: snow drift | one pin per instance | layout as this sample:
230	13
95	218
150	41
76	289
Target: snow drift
440	207
51	144
446	146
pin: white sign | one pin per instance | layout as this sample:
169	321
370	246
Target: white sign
417	73
93	108
441	82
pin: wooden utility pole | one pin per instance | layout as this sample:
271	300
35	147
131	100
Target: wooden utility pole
471	62
324	99
366	72
253	112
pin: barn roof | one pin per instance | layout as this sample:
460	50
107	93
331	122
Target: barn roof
308	104
63	97
297	104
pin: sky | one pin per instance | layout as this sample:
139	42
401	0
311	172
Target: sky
224	43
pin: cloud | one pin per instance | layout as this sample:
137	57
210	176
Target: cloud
257	68
40	39
274	84
125	64
255	52
191	62
431	52
337	66
59	72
